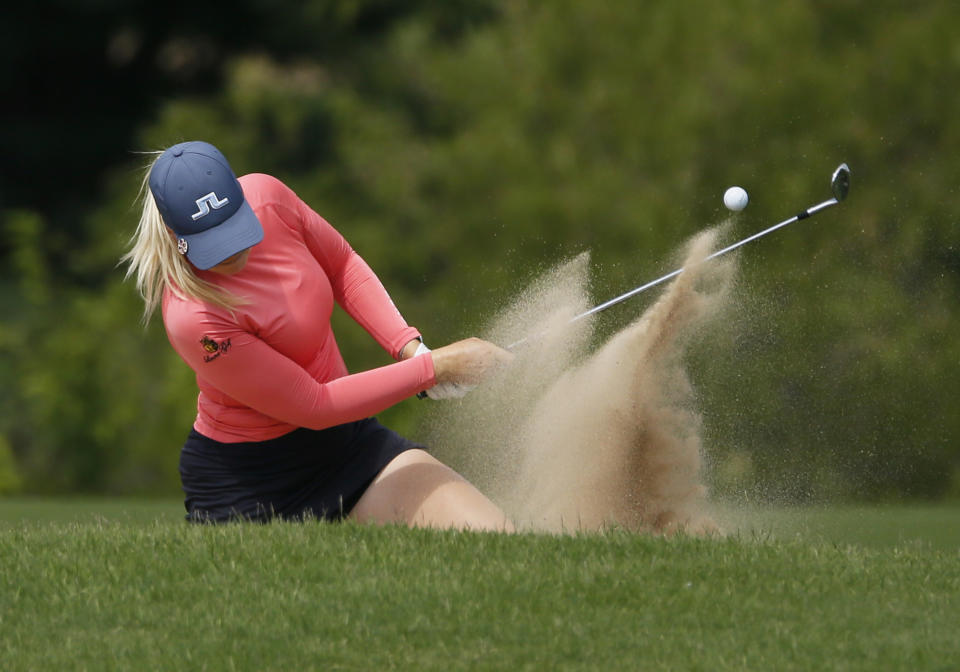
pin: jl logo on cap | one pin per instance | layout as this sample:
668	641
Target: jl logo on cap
204	204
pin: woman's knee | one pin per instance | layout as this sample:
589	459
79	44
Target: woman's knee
416	488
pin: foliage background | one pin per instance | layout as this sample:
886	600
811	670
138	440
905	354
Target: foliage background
465	146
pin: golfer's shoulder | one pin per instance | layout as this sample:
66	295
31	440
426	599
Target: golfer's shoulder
184	318
262	190
277	206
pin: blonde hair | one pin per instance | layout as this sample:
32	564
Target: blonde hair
158	266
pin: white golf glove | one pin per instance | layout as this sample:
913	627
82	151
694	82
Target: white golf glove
443	390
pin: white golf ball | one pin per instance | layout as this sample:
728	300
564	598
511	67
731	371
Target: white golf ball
735	198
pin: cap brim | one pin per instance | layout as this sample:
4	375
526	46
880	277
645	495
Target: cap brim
208	248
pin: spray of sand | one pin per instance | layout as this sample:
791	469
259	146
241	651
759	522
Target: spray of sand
571	440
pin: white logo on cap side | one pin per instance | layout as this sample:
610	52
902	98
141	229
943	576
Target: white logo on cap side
204	203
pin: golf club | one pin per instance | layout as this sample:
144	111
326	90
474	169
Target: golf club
839	184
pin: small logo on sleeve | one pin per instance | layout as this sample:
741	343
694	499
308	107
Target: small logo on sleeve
214	348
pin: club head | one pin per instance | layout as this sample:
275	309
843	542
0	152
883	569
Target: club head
840	182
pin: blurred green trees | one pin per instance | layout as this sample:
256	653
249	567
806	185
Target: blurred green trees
464	147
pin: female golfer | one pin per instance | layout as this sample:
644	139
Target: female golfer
247	275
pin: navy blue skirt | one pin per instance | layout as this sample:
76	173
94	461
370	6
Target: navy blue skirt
304	474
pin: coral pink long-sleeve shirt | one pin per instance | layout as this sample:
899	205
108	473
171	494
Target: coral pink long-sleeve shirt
274	365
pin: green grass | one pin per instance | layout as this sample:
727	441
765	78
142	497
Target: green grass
101	584
934	526
22	510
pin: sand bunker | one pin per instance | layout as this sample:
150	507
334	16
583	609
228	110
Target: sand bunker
566	439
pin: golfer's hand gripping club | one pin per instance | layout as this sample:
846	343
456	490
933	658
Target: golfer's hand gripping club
441	390
461	366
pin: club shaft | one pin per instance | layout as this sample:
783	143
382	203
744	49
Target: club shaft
653	283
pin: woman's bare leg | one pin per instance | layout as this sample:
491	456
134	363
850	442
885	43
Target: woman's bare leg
420	491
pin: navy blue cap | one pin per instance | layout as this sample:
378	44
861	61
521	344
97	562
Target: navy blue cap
200	199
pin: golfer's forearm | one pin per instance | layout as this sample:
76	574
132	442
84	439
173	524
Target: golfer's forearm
285	392
255	375
364	394
366	300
